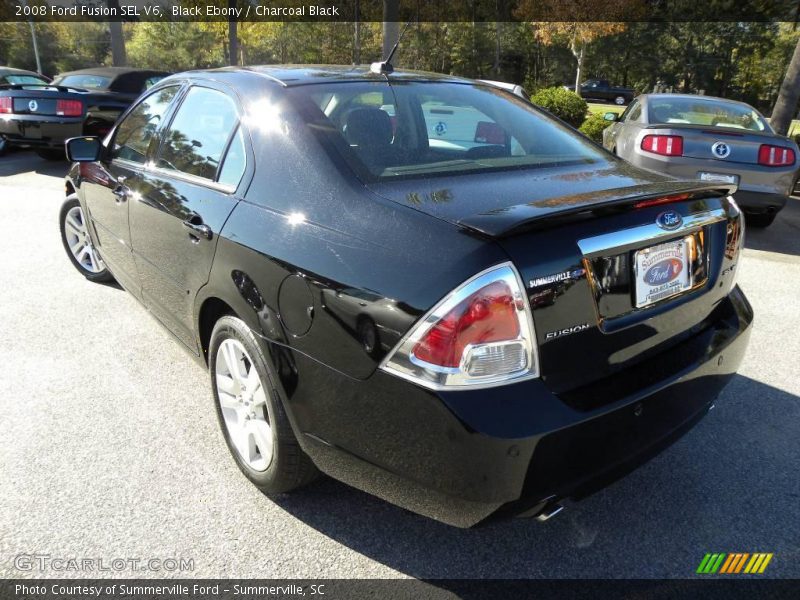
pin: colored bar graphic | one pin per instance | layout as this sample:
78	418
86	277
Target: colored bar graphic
734	562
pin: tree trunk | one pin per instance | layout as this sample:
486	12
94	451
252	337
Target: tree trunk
579	54
786	104
233	37
391	9
357	35
119	57
497	48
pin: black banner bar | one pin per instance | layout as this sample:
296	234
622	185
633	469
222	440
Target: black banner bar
409	10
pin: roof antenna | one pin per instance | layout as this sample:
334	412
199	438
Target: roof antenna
385	67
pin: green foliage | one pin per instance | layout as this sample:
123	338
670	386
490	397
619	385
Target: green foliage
593	127
564	104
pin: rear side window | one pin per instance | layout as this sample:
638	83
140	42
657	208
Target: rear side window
137	130
95	82
234	165
196	139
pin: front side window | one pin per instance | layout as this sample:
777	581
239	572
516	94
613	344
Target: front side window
415	129
196	139
137	130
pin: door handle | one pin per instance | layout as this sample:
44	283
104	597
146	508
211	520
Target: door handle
120	194
198	228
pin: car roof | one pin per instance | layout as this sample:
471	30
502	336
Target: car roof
295	75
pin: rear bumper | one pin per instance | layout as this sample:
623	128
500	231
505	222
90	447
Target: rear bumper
39	131
759	202
460	456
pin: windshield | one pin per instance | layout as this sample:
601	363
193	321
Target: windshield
20	79
84	81
709	112
413	129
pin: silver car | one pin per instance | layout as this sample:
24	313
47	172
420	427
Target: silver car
712	139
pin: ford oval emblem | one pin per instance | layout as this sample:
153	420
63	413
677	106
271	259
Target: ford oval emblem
663	271
669	220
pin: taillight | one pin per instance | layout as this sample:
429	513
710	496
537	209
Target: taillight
734	241
6	105
69	108
775	156
662	200
480	334
666	145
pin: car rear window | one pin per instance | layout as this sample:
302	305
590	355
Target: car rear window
702	111
84	81
22	79
414	129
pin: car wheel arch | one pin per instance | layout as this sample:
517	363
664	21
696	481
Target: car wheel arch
211	310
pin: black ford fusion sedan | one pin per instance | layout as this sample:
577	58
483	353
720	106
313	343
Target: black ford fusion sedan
420	285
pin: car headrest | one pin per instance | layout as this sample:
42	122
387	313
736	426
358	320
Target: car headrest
368	128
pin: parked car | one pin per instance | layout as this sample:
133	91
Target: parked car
9	76
710	139
601	89
258	212
43	115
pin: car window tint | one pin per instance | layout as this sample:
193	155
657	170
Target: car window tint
711	112
18	79
417	129
136	131
196	138
627	112
96	82
233	167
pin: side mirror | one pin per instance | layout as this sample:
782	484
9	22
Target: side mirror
611	116
83	149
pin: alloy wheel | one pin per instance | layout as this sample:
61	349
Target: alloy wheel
243	402
79	242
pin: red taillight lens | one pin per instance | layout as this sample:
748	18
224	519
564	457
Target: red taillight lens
666	145
6	105
69	108
488	315
775	156
479	334
664	200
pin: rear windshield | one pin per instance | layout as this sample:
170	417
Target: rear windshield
84	81
21	79
414	129
709	112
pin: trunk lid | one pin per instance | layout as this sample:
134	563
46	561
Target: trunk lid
578	241
735	145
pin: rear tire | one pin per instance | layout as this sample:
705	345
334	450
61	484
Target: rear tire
250	413
77	243
53	154
759	220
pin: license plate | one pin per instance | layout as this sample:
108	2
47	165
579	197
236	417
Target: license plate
718	177
662	271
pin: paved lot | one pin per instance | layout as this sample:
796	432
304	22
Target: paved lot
109	447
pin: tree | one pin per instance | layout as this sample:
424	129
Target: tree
576	34
119	57
788	96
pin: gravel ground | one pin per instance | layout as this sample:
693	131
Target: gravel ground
109	447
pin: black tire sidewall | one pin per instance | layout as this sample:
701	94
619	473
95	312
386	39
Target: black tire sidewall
70	203
272	479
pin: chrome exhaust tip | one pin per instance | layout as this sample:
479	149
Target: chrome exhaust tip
549	511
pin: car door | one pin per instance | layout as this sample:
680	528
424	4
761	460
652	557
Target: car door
108	185
185	198
629	130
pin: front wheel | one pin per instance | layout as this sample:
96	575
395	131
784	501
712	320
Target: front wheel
78	244
619	100
250	414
